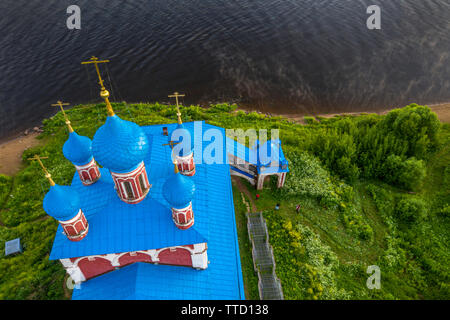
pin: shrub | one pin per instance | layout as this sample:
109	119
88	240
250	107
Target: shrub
310	120
445	211
410	209
308	178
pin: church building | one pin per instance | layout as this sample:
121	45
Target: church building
141	221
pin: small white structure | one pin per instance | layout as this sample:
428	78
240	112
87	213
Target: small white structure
258	162
13	247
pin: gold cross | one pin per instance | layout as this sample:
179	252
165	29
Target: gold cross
47	174
95	61
103	93
171	144
61	104
176	95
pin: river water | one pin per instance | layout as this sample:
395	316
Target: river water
289	56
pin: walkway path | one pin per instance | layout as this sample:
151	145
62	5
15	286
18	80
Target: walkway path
263	261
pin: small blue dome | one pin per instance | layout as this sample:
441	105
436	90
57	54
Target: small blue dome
184	132
78	149
61	202
178	190
119	145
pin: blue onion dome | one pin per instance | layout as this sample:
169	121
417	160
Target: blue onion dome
178	190
186	132
78	149
119	145
61	202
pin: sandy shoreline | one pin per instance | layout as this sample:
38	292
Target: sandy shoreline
11	152
442	110
11	149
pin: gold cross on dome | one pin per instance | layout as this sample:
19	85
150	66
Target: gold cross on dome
176	95
95	61
47	174
103	92
171	144
60	104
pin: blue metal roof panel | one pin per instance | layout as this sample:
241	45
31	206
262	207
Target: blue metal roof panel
115	226
62	202
119	144
78	149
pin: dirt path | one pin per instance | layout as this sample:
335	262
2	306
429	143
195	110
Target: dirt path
11	152
442	111
243	189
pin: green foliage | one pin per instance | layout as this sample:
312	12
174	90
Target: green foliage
308	178
410	210
389	148
5	186
349	173
310	120
408	174
245	248
338	151
305	265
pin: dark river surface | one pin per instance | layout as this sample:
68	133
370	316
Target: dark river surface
290	56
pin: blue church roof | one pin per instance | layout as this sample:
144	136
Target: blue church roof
62	202
178	190
119	145
78	149
116	227
262	160
182	131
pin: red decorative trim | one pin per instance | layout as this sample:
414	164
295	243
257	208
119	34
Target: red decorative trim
89	173
183	218
93	266
132	179
186	165
76	228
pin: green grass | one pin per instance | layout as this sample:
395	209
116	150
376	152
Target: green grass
245	248
423	245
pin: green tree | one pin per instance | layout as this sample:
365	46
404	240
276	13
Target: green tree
410	210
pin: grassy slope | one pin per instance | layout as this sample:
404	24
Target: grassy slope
245	248
31	275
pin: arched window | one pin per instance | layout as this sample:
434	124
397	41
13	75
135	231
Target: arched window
128	190
182	218
85	175
92	173
141	183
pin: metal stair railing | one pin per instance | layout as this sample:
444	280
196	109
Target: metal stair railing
269	286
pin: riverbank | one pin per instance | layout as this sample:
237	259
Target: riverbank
11	149
11	152
442	110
